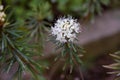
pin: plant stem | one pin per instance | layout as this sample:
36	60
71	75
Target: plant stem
81	75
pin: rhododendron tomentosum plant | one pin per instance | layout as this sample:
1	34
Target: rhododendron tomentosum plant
13	49
64	34
37	25
115	66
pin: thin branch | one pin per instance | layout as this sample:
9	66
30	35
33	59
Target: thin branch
81	75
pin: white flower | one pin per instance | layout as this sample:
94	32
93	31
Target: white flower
2	14
1	7
66	29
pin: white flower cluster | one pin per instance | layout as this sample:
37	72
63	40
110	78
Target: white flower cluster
2	14
66	29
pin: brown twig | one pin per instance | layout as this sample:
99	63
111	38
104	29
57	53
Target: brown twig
81	75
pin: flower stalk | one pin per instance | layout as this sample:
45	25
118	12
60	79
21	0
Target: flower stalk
65	32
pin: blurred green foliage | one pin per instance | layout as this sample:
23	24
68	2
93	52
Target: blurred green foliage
81	8
37	23
20	9
23	8
84	9
14	50
41	9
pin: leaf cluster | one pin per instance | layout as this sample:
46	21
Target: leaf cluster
116	65
15	51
